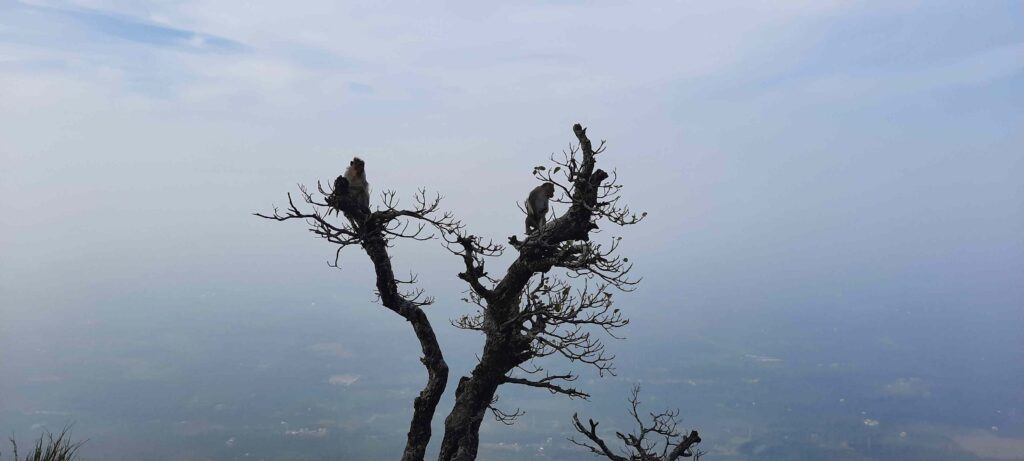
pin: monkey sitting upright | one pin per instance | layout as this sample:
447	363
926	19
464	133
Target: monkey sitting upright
537	206
358	188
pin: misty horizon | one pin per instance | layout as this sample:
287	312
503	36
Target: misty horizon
831	262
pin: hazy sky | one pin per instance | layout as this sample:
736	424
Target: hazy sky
815	172
805	154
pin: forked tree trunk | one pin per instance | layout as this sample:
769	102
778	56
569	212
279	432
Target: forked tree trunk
562	242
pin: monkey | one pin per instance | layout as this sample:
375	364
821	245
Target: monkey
537	206
340	189
358	188
341	185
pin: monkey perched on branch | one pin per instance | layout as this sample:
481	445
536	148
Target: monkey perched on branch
340	190
358	188
537	206
351	187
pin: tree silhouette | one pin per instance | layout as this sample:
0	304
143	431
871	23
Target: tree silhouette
526	314
657	440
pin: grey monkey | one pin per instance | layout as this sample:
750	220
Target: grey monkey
537	206
358	188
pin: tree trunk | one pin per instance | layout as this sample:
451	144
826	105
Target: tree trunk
503	351
437	370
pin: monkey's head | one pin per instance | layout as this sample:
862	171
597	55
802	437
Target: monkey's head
549	189
357	163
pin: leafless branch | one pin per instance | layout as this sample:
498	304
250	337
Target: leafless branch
656	437
507	418
550	382
374	231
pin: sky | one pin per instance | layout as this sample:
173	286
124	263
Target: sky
803	139
796	158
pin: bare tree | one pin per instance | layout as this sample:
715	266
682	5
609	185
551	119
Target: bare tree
528	313
374	232
659	439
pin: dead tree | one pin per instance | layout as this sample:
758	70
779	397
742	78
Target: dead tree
550	302
659	439
374	232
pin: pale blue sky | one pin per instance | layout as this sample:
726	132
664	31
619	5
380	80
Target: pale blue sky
859	136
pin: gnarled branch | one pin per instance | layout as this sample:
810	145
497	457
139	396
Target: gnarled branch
373	231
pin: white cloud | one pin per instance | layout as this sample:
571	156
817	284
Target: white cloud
470	53
343	380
